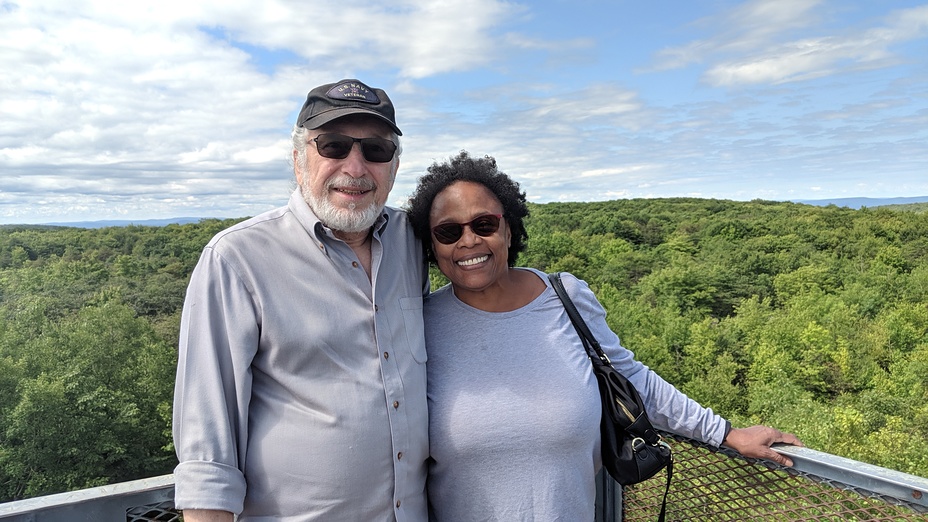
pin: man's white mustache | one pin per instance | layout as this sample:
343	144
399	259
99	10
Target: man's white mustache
347	182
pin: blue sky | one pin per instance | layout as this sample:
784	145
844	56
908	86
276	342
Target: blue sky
143	110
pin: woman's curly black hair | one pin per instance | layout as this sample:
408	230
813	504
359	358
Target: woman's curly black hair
476	170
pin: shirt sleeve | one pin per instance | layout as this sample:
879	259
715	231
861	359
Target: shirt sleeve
218	341
668	408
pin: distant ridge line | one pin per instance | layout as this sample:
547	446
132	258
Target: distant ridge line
857	203
128	222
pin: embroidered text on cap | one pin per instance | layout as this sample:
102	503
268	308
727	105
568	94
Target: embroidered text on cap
353	91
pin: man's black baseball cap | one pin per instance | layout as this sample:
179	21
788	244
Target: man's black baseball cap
334	100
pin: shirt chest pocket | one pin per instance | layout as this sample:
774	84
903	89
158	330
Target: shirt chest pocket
415	327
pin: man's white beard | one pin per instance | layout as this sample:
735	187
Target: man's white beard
349	220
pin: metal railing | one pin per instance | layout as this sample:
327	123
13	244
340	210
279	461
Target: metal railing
146	500
709	484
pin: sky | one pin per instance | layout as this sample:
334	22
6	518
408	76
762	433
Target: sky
115	110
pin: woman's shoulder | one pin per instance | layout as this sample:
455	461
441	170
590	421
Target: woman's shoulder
572	283
580	293
438	300
439	294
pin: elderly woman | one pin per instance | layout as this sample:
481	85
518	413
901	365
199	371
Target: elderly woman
514	409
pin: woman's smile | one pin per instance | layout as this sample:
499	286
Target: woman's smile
473	261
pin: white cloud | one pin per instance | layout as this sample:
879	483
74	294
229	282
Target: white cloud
756	44
524	42
745	28
617	171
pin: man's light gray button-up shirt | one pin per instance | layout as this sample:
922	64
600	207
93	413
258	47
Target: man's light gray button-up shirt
301	383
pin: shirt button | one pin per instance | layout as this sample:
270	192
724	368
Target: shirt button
386	355
376	308
354	264
396	404
397	503
399	456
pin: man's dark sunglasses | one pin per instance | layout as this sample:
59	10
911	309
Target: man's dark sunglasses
338	146
485	225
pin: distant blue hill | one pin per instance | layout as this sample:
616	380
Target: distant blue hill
857	203
127	222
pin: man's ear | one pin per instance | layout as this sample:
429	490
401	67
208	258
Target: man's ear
296	168
396	168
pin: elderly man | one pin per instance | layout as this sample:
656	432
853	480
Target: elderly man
300	388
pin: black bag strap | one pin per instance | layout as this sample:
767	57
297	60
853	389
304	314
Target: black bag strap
597	355
593	349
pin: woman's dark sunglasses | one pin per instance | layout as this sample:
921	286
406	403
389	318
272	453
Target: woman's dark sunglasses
338	146
485	225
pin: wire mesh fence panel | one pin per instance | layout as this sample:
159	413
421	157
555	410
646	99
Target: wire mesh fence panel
718	485
160	512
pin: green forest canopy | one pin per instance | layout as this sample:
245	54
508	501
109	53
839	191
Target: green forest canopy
811	319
